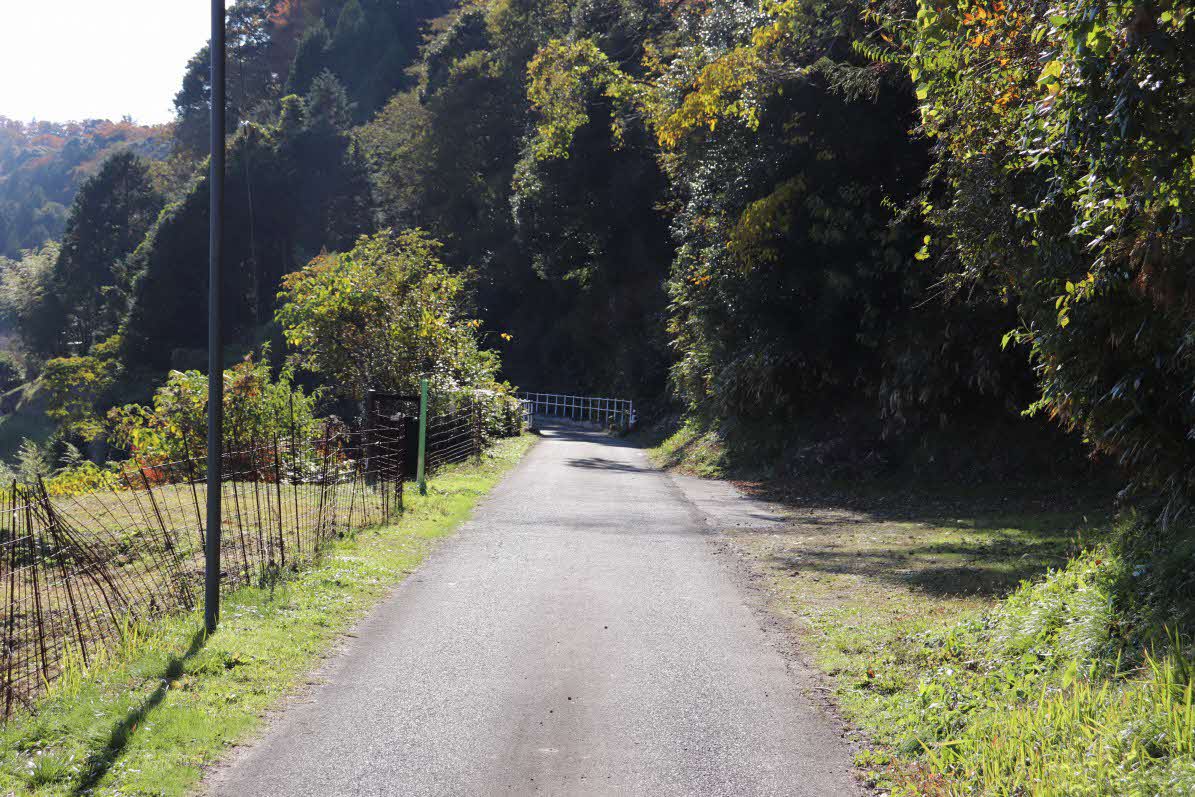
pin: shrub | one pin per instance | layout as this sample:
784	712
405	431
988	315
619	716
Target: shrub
258	410
381	316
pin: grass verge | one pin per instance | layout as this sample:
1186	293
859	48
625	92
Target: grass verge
170	701
996	641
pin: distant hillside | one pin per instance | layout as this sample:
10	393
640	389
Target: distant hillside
43	163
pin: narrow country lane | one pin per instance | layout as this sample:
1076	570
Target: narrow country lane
578	636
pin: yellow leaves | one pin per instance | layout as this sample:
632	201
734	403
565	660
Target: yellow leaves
765	220
1005	99
717	94
923	252
562	76
1050	73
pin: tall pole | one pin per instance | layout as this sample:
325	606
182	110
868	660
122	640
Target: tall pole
215	360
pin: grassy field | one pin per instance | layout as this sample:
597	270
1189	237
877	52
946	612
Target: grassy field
985	641
170	701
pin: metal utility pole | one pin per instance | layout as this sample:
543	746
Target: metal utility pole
215	359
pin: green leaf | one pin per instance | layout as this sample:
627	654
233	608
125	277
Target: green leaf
1050	73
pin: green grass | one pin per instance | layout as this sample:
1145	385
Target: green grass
170	701
1061	689
689	449
992	639
998	654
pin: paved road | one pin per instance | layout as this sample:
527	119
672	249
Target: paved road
579	636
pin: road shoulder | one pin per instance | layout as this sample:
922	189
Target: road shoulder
730	516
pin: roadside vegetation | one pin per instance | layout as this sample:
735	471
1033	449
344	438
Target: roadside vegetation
1011	638
169	702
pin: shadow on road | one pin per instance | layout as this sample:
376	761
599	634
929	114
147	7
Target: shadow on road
599	463
580	431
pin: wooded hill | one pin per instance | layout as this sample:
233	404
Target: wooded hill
42	165
806	215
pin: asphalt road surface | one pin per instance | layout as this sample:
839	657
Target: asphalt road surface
580	635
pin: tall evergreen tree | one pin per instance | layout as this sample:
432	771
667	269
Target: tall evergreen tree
310	57
110	216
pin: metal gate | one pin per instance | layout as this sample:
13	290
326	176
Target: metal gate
597	409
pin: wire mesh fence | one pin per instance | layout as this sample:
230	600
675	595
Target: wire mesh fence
77	572
453	435
459	426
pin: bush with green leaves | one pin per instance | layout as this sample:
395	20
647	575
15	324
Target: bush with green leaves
383	315
259	410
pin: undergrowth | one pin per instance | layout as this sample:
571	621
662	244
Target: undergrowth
692	449
1070	686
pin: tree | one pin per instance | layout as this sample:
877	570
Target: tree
111	214
291	190
252	83
1064	187
571	256
309	59
381	316
28	302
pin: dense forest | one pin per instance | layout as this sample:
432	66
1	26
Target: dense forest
42	165
895	219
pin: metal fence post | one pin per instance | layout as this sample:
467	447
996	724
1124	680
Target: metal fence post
420	473
476	430
368	434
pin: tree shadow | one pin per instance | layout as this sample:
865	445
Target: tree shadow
560	429
102	759
600	463
943	540
1044	505
972	568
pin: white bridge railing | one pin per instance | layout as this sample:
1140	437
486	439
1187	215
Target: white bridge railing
606	411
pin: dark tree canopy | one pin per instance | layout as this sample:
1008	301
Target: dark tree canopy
111	214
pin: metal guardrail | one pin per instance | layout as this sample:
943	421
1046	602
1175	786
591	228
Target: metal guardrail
598	409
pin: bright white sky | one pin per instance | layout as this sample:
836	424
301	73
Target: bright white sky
64	60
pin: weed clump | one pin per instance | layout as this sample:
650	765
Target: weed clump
1075	684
